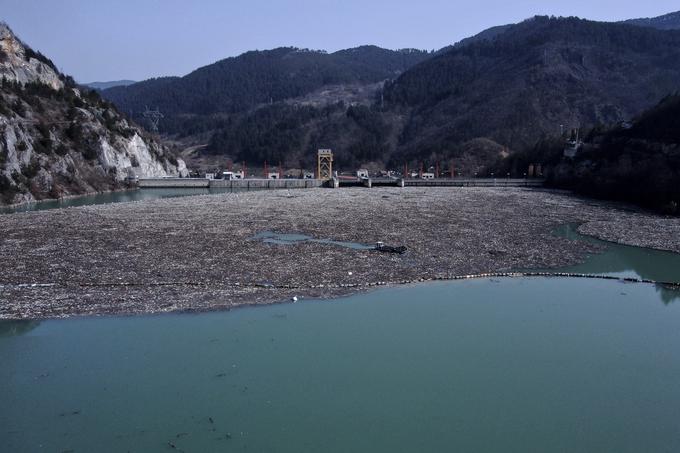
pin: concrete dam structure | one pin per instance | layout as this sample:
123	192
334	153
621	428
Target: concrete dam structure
193	183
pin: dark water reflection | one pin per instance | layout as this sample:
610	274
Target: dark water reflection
114	197
10	328
627	261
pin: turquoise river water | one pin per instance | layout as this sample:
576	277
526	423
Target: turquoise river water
494	365
111	197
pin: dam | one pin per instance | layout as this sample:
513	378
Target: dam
194	183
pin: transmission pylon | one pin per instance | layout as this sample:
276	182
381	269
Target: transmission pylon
154	116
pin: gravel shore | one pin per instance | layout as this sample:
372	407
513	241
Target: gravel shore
198	253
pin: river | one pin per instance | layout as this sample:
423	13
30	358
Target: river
495	365
111	197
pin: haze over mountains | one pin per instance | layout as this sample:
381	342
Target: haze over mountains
504	88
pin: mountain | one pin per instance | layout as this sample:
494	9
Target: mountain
494	93
669	21
57	139
485	35
636	161
530	80
666	22
105	85
473	102
241	83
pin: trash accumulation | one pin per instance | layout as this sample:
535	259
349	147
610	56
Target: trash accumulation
196	253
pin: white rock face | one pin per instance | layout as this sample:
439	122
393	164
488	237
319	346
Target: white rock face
16	67
117	158
15	138
55	146
132	157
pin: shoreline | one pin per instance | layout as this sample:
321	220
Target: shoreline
368	287
65	197
196	253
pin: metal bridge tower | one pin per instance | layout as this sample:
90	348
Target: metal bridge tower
154	116
325	164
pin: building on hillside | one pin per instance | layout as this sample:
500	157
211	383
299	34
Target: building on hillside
573	145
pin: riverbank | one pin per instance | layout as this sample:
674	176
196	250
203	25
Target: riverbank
198	253
27	205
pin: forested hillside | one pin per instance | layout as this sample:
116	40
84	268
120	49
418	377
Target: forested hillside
238	84
666	22
292	134
637	162
525	84
532	79
497	92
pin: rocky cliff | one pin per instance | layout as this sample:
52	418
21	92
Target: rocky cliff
57	139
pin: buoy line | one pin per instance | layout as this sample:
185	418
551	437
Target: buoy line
673	285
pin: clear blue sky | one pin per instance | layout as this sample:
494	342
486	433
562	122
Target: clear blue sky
95	40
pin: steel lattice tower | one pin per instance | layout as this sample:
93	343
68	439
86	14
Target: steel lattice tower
325	164
154	116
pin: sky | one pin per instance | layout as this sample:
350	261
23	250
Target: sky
95	40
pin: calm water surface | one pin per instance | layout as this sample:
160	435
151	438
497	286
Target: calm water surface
626	261
489	365
112	197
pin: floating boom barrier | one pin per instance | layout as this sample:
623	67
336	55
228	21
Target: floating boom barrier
489	275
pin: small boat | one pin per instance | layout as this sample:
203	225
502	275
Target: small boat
381	247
